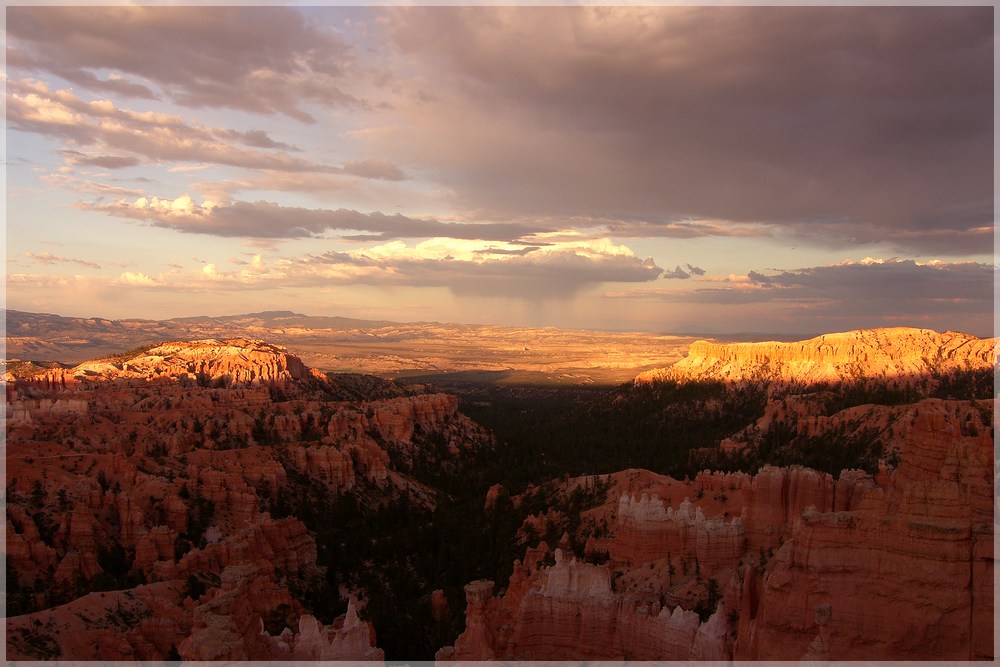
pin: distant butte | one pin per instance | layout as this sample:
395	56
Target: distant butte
896	352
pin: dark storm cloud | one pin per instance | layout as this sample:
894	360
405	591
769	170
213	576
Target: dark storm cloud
941	296
528	249
844	125
681	229
890	284
876	290
260	59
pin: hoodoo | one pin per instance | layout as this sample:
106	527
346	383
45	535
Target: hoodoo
157	478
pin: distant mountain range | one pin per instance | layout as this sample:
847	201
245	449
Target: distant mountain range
354	345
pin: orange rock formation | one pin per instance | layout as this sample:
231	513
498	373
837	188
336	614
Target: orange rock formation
890	352
161	467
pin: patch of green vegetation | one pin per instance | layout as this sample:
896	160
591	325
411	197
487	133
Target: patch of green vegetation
116	563
36	642
653	426
25	368
965	384
124	617
398	551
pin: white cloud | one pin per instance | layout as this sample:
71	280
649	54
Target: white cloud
136	279
465	267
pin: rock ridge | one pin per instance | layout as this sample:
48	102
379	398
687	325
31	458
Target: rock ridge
898	352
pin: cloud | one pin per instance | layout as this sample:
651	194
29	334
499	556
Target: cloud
380	169
677	273
88	186
102	161
136	279
889	283
465	267
260	59
151	138
49	258
471	268
742	115
865	293
684	229
255	138
695	270
33	107
270	220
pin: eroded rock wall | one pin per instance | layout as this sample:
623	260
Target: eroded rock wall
897	565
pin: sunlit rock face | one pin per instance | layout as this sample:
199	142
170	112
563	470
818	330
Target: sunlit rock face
157	474
889	352
230	362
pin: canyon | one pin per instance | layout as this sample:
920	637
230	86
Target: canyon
902	562
788	563
220	499
154	479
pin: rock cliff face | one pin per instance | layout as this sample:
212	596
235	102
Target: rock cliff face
892	352
569	609
646	531
156	476
922	547
230	626
785	564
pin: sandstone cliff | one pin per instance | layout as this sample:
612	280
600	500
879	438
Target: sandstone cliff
891	352
905	569
568	609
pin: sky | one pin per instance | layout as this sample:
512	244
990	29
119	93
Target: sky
671	169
